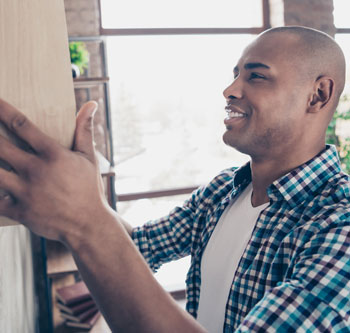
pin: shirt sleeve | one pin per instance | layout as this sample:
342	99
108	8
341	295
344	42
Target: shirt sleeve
316	297
168	238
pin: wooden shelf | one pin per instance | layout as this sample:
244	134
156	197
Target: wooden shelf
100	327
89	82
60	260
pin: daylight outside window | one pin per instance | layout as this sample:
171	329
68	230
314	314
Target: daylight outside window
339	130
341	22
125	14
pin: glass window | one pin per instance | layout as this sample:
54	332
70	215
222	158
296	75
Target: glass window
341	13
181	14
344	42
171	275
168	109
339	129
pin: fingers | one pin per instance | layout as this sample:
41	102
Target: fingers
15	157
9	191
19	124
9	185
83	139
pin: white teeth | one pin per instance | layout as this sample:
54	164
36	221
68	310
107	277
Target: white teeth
235	114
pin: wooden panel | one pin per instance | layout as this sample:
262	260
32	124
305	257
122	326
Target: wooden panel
17	296
35	66
59	259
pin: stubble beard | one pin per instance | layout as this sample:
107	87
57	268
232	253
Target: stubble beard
260	145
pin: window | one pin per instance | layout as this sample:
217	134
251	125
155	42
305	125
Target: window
342	24
341	16
341	127
126	14
168	68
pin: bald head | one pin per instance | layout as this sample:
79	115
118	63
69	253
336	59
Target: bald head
315	52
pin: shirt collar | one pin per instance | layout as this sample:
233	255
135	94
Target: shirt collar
307	179
299	184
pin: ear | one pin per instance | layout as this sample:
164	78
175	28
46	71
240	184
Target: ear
322	94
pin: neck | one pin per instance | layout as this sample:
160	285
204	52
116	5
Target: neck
266	171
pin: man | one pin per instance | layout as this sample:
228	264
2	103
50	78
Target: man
269	241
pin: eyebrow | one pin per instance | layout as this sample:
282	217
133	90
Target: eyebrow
252	65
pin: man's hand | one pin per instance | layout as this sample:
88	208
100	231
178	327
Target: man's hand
51	190
57	193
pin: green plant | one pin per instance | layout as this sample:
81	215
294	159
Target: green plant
342	143
79	55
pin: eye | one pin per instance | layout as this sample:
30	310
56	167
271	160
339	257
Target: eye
254	76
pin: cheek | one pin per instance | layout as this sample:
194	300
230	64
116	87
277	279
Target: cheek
277	103
273	119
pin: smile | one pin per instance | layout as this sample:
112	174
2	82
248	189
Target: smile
235	117
233	112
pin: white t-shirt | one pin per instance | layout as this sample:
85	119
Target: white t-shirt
221	258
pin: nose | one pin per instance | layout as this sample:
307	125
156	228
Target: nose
234	90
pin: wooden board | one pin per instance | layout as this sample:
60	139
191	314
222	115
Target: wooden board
35	66
18	300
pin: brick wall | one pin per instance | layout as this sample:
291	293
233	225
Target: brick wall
316	14
82	17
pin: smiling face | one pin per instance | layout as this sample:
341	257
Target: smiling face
267	101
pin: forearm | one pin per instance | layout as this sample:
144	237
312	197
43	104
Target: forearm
123	285
125	224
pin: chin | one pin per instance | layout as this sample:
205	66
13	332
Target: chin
235	143
230	141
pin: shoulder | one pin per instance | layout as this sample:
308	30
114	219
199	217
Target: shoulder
334	200
329	211
209	196
221	184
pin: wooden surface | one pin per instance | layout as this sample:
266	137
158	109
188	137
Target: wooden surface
89	82
17	295
59	259
100	327
35	67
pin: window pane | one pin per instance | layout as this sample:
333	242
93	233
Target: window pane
344	42
181	13
341	13
168	109
172	275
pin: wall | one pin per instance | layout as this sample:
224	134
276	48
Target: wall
82	17
316	14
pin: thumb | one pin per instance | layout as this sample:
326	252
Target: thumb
84	137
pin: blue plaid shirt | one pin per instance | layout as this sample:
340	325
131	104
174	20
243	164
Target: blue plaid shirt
295	271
